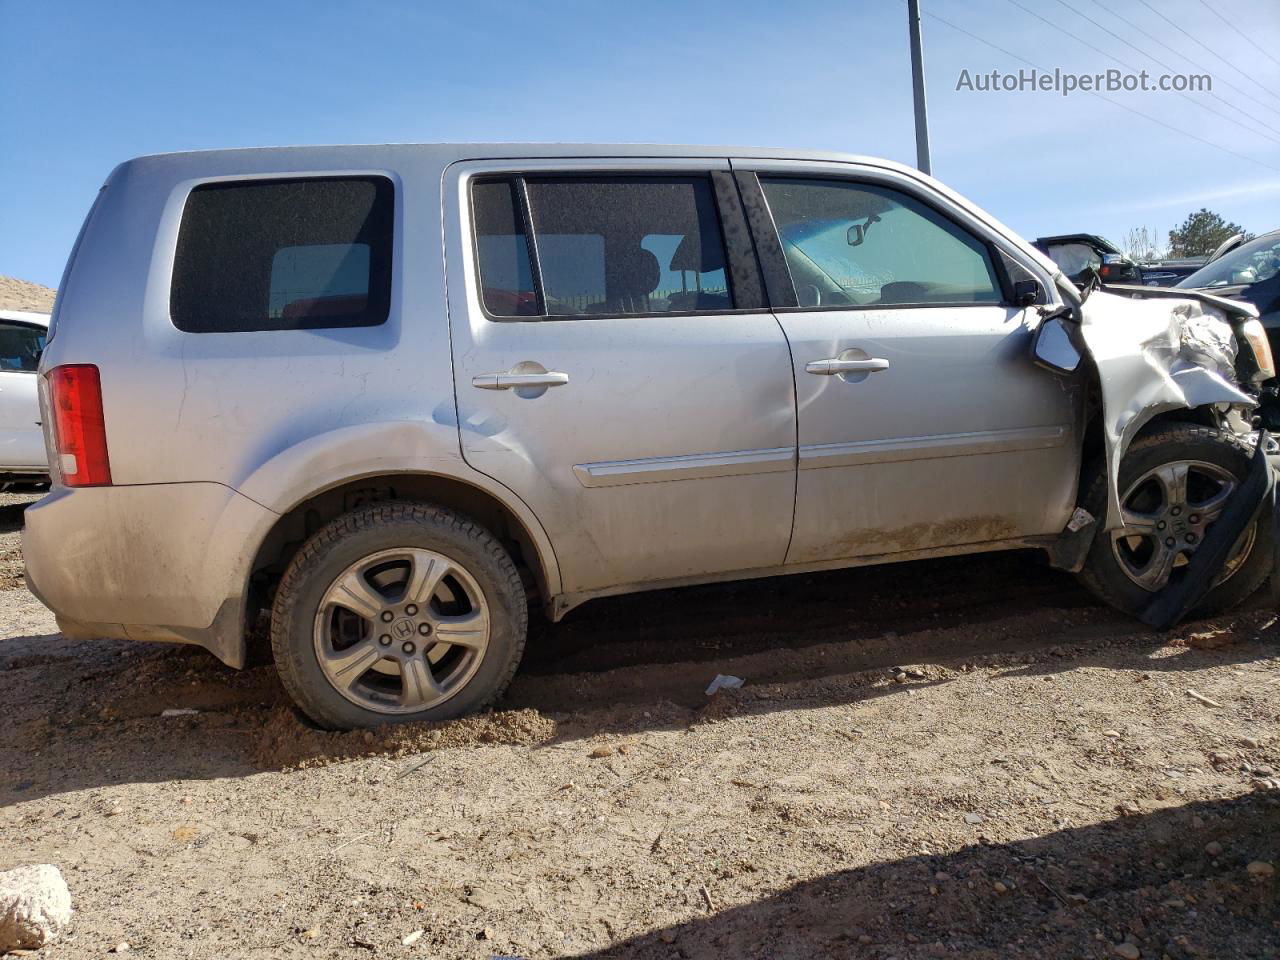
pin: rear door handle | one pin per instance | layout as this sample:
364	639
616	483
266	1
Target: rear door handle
829	368
513	381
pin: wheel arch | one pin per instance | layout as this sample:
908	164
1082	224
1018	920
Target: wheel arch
311	482
1146	404
507	519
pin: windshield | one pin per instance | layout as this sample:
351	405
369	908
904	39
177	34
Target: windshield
1250	262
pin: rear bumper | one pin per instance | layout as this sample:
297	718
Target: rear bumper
147	562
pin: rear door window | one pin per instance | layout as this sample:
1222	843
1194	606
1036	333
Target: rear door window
858	244
284	255
602	246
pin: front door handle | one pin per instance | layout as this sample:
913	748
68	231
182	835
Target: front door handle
514	381
833	366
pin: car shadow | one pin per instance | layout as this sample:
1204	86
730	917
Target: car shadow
90	714
1078	892
14	503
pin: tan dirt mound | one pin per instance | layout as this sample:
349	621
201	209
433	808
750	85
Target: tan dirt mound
18	294
285	742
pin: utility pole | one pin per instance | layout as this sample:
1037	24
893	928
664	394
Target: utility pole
917	84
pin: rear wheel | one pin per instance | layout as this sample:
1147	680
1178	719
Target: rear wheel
398	611
1174	484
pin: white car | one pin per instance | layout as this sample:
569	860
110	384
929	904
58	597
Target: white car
22	452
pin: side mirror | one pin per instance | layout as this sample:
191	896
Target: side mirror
1025	293
858	232
1051	346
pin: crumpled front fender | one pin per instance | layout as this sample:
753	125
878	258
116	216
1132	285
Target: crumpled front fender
1153	356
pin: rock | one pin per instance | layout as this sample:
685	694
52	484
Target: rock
1249	743
410	939
1213	848
1260	870
1128	951
999	887
35	906
973	818
600	752
121	947
1262	770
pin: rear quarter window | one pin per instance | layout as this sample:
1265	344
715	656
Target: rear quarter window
290	254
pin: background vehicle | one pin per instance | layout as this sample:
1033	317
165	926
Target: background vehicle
1250	272
22	452
282	382
1167	273
1077	253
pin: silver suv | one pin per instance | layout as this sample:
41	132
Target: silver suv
397	395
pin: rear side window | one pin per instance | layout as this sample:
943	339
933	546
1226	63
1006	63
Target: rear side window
20	346
602	246
856	244
284	255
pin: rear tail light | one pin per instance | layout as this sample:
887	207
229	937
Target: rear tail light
79	431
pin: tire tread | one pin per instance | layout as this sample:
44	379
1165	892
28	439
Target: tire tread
381	515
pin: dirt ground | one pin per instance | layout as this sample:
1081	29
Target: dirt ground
1038	777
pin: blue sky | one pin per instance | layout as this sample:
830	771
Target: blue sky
85	85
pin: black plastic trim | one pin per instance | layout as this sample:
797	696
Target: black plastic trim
520	187
740	252
779	286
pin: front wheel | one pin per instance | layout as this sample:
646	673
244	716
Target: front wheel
398	611
1174	483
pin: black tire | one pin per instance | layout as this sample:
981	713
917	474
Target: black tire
386	526
1103	574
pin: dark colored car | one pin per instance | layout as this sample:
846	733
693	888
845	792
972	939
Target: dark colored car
1078	253
1251	272
1170	273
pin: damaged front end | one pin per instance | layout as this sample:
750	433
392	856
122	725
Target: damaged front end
1154	352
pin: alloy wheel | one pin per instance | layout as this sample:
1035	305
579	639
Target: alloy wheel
402	630
1166	513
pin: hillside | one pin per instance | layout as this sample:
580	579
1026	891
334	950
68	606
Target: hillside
18	294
